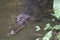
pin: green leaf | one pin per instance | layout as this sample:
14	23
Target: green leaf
56	27
58	36
47	26
56	7
37	28
47	36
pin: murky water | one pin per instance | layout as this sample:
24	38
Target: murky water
8	12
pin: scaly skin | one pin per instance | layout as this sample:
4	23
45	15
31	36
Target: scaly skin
21	19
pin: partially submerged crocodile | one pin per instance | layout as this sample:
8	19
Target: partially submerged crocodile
21	19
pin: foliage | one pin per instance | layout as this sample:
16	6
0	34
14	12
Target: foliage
47	36
56	7
47	26
58	36
56	27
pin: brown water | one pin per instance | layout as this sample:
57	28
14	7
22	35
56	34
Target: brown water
8	12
